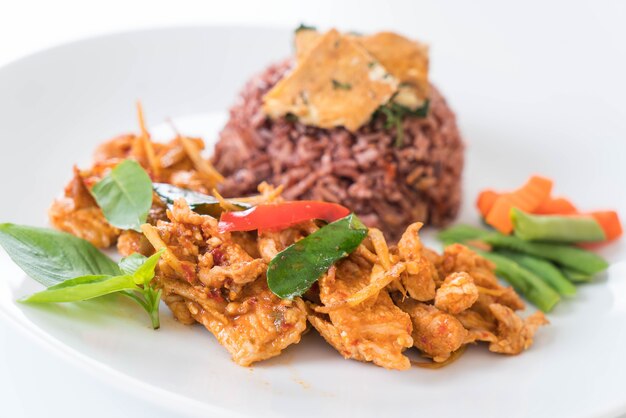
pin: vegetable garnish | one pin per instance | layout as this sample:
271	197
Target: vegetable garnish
461	234
610	223
395	114
137	272
545	270
74	270
125	195
292	271
534	198
526	282
566	255
527	198
556	228
51	257
281	215
576	276
198	202
556	206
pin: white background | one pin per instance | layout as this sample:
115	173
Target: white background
33	383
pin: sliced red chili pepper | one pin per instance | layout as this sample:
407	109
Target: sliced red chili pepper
281	215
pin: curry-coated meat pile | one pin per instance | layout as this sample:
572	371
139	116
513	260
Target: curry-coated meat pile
371	305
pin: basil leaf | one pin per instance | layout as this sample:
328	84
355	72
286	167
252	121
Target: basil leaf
198	202
83	288
145	273
50	256
142	271
125	195
141	267
130	264
293	270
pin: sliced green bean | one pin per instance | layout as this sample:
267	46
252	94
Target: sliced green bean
556	228
524	281
576	276
461	233
545	270
564	255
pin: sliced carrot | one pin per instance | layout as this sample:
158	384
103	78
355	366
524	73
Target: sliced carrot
527	198
485	201
500	215
532	194
610	223
556	206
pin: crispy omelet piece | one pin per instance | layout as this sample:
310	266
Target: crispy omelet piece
405	59
338	83
305	40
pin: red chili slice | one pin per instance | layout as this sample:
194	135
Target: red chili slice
281	215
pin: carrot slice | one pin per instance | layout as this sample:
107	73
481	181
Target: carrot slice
610	223
485	201
527	198
556	206
500	215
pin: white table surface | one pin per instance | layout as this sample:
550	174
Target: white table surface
34	383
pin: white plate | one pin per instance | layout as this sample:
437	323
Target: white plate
55	106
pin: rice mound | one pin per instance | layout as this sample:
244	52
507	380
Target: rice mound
388	187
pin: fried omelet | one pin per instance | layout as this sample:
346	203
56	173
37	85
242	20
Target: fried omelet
338	83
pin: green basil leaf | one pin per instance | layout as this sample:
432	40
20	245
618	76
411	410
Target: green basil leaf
145	273
129	265
50	256
83	288
142	271
198	202
141	267
293	270
125	195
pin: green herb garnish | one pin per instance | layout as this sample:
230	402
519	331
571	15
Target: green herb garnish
292	271
338	85
74	270
51	257
394	120
302	26
198	202
291	118
125	195
395	114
